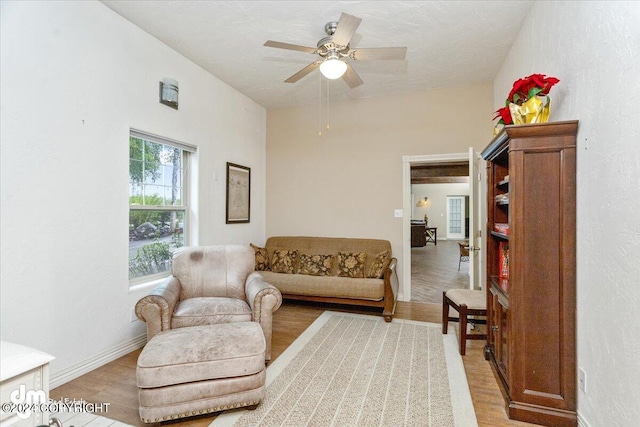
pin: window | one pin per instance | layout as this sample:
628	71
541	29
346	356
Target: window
455	217
158	203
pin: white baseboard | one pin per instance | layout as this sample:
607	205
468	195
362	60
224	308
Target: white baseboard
96	361
582	422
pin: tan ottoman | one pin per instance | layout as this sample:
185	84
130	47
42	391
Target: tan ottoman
201	369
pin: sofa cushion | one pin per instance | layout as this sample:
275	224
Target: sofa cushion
351	264
315	265
284	261
380	262
262	258
326	286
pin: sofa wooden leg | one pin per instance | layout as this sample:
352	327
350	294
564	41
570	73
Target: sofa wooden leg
388	317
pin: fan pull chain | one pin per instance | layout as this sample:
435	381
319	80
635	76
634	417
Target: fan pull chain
327	100
320	108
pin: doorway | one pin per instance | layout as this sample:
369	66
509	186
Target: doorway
427	163
435	265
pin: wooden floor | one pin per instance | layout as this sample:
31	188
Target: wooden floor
434	268
115	383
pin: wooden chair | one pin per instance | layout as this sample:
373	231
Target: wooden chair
466	302
464	253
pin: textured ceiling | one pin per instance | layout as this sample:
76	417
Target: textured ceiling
449	43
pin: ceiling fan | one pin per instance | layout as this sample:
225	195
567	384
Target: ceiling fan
334	50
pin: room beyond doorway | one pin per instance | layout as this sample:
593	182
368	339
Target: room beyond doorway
429	169
434	269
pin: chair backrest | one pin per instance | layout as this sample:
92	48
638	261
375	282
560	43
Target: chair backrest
213	271
464	249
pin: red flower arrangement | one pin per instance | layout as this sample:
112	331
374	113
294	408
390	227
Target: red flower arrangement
505	116
524	89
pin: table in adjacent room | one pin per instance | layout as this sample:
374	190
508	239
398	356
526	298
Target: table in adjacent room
431	234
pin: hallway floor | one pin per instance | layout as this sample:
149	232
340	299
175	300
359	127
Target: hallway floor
434	269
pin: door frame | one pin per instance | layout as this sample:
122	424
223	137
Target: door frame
407	161
477	219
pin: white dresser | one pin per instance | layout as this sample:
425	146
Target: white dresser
24	372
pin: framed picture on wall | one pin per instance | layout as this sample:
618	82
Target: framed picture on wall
238	193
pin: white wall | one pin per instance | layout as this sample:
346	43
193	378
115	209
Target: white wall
437	209
75	77
349	182
594	49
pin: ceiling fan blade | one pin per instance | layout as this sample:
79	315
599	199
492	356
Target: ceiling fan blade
289	46
306	70
378	53
351	77
346	28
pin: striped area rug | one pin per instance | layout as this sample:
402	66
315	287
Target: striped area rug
356	370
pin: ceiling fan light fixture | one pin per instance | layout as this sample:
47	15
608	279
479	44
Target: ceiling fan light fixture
334	49
332	67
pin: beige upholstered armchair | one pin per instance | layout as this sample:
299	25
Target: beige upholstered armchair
210	285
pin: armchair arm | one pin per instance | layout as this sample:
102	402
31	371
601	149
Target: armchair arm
264	299
157	308
391	286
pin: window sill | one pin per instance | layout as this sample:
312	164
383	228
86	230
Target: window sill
146	285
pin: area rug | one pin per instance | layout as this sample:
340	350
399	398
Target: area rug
357	370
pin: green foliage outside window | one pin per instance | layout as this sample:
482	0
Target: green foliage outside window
150	259
144	160
137	218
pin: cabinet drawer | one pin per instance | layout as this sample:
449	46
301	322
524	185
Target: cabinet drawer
32	382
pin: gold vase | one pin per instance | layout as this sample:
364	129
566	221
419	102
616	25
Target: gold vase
533	110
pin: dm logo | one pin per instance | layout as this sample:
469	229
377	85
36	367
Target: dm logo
27	400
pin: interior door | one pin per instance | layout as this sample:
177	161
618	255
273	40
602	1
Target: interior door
475	214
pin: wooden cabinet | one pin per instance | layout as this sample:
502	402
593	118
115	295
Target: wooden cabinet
25	374
418	235
531	293
499	311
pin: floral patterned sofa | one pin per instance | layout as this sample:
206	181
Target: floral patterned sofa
333	270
